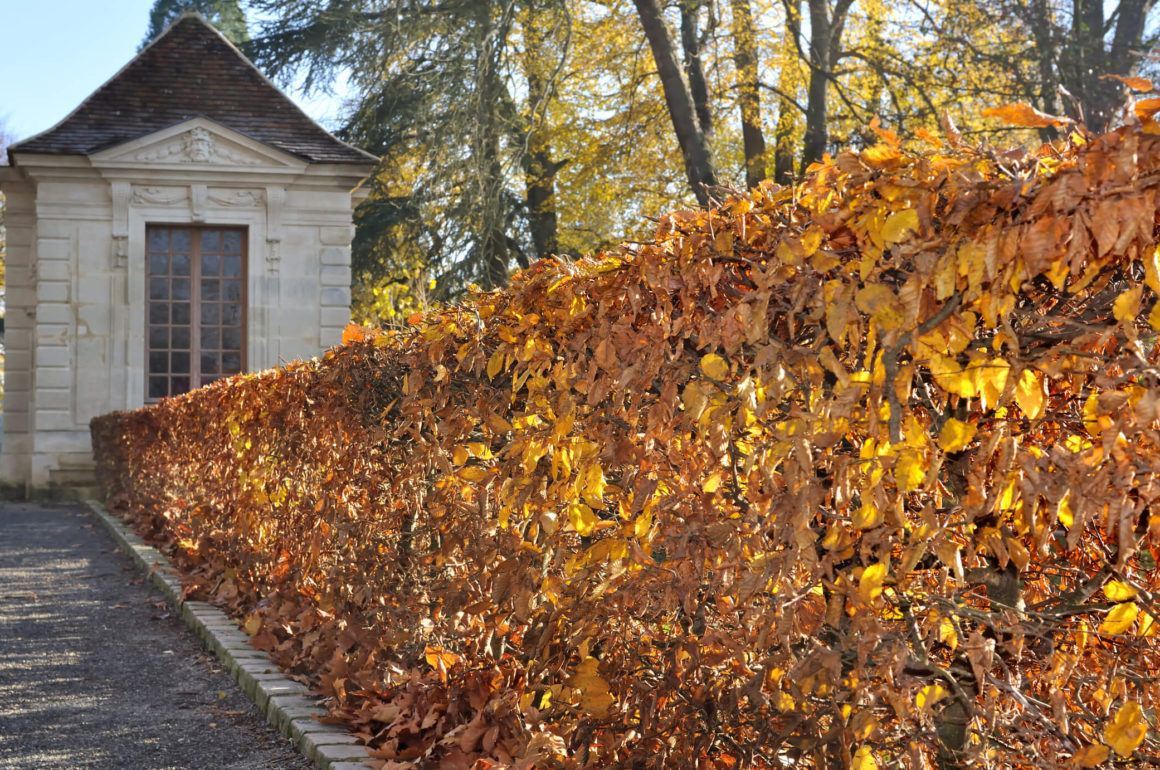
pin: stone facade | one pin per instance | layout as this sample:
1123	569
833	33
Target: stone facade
76	271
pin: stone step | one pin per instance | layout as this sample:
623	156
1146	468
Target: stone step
76	475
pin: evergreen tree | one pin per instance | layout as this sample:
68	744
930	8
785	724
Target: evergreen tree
226	15
433	89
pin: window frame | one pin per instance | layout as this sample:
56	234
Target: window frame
195	302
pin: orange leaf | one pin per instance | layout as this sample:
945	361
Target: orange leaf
353	333
1021	114
1132	82
1146	108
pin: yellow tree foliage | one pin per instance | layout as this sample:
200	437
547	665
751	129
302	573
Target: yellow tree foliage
852	473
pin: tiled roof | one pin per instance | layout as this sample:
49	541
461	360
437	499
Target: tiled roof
190	71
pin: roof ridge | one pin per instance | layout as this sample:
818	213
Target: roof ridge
87	141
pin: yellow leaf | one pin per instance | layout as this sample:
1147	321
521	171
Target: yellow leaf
1154	317
1118	592
1127	305
930	695
1064	514
881	155
494	364
898	224
473	473
480	450
1029	394
459	455
1018	552
595	697
497	423
956	435
947	634
1152	269
582	519
593	491
1127	730
863	759
1120	618
811	239
990	380
253	624
1094	422
714	366
950	375
870	584
909	470
881	304
867	517
713	483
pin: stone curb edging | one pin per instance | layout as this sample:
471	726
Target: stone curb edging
287	704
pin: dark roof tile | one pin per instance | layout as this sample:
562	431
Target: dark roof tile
190	71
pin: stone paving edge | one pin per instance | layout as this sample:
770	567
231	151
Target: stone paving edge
287	704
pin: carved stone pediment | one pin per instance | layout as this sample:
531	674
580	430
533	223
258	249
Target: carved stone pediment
197	144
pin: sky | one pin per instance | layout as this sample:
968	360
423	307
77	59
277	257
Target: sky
56	52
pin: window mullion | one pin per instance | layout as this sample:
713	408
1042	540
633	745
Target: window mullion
195	309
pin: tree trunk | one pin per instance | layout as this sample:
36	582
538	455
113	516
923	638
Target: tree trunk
814	144
493	250
826	26
694	147
748	96
1083	61
783	149
694	69
1043	33
539	168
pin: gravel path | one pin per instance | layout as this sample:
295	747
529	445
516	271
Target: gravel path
95	669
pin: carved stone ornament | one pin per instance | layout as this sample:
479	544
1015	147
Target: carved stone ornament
195	146
237	198
152	195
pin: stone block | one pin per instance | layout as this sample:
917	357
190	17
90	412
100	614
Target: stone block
54	420
331	275
318	735
52	334
14	421
53	399
335	255
54	270
56	291
331	756
54	313
280	714
53	377
55	228
95	290
52	248
56	356
333	296
55	442
335	316
336	236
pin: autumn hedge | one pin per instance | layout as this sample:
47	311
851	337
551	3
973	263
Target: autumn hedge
854	473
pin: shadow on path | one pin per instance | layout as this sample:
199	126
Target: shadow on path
95	669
